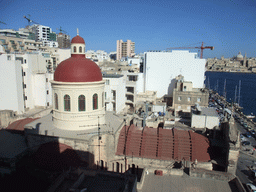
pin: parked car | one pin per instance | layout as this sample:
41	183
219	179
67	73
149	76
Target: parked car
251	187
246	143
253	132
248	135
242	137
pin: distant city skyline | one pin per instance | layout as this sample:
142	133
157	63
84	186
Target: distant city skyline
229	26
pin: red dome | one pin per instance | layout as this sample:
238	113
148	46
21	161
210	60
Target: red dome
77	69
77	39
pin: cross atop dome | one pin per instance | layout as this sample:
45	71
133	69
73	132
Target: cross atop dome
77	46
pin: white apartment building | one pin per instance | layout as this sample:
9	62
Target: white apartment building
11	93
45	35
97	56
25	82
114	92
160	68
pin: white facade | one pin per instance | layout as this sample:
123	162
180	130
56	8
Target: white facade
42	33
115	89
208	118
97	56
161	67
42	91
28	82
64	54
50	43
11	93
73	118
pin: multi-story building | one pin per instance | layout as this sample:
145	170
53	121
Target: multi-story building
26	85
185	96
160	68
45	35
114	92
98	56
124	49
13	33
63	40
131	89
18	44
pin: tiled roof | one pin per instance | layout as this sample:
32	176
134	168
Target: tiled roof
19	124
163	144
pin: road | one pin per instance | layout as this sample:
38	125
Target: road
242	171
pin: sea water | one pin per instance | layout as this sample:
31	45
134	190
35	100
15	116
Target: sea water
216	81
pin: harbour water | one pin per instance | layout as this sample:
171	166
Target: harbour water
216	81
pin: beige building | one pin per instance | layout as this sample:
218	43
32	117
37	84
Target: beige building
17	44
238	63
63	41
124	49
185	96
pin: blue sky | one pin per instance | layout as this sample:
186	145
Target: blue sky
228	25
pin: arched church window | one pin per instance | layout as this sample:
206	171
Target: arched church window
66	103
81	103
95	101
80	49
56	101
74	49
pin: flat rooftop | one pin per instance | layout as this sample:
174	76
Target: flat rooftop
208	111
186	183
44	124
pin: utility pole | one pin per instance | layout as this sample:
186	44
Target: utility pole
125	158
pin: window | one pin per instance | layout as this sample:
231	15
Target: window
189	98
185	88
24	73
25	61
179	98
74	49
198	99
80	49
24	86
95	101
46	79
107	82
81	103
102	99
56	101
66	103
47	92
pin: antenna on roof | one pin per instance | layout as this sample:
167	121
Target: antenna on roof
77	31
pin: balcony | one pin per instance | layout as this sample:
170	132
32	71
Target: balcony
131	83
130	90
129	98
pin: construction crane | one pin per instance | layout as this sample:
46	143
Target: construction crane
201	48
3	22
61	30
29	20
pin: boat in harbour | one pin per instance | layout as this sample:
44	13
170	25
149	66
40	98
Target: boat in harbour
250	116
